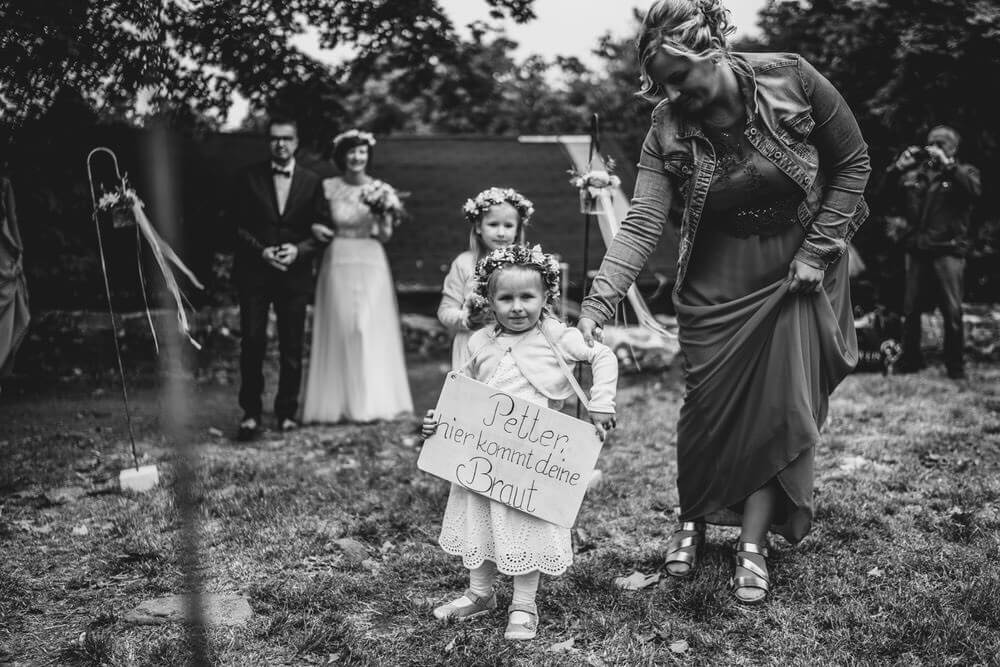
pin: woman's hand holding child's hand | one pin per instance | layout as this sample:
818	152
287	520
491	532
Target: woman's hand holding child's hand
591	331
430	424
604	421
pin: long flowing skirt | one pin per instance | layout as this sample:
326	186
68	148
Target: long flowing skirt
357	369
760	364
14	317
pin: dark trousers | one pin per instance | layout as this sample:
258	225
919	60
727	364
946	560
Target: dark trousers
290	309
933	276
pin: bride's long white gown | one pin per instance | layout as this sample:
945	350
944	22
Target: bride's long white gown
357	370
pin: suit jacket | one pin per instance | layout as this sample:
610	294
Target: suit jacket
254	215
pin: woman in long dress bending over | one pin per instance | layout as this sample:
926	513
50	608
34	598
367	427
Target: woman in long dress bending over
357	369
760	162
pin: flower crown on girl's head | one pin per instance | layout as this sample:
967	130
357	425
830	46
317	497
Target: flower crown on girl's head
474	209
519	255
366	137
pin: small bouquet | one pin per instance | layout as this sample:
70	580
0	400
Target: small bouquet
478	309
384	201
590	184
117	204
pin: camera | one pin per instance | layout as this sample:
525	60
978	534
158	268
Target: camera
919	154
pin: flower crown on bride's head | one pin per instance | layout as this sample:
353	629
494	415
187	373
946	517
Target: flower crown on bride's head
519	255
357	135
475	209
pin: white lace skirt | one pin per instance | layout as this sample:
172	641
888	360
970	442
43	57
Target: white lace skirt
357	369
479	529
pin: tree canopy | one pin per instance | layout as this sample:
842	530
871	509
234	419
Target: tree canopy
903	66
184	58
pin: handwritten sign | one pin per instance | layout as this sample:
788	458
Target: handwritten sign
513	451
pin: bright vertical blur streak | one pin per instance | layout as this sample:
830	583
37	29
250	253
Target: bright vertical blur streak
174	406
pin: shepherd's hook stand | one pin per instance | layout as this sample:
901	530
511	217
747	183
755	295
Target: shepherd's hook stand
139	478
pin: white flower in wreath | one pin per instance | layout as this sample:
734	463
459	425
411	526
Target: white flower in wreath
360	135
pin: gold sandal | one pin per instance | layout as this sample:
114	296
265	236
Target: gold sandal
758	579
522	631
683	550
481	604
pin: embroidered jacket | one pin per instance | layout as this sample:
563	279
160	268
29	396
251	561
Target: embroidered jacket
797	120
537	361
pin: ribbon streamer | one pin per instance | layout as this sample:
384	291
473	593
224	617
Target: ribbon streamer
163	253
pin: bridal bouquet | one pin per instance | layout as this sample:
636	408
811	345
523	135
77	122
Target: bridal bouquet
383	200
590	184
118	204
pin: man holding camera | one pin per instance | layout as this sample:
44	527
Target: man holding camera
936	194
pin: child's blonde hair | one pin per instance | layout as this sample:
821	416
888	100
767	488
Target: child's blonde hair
475	208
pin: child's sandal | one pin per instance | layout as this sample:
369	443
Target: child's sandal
481	604
682	550
758	580
525	630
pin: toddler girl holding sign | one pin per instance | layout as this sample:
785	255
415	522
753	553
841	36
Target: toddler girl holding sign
523	355
497	218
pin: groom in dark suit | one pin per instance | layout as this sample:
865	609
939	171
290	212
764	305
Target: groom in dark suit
275	204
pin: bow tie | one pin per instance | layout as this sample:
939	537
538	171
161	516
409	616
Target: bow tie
281	172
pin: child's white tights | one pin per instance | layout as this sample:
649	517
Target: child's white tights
482	578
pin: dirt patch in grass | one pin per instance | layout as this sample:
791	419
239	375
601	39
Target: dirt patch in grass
896	570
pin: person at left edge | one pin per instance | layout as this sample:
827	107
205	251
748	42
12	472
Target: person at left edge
274	205
14	315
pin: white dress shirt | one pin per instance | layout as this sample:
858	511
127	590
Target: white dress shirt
282	184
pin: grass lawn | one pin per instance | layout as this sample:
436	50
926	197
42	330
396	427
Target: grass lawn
901	566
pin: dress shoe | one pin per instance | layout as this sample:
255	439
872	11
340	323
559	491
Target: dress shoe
248	430
288	424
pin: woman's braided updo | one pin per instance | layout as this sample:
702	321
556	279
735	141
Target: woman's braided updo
691	27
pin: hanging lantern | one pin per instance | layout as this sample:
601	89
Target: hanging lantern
116	207
588	202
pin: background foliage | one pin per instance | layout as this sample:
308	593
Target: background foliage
904	68
71	68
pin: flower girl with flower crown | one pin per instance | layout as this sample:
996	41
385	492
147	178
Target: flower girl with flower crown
525	354
497	218
357	370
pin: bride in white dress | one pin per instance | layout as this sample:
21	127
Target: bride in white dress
357	370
